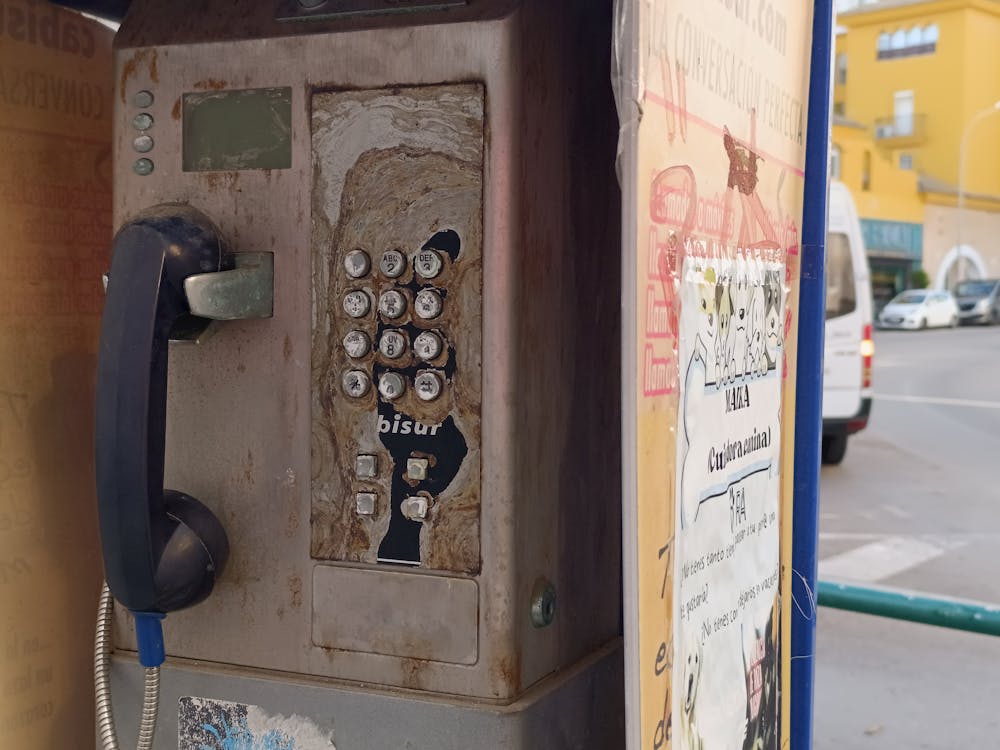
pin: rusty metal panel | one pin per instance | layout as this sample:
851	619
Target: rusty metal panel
397	190
396	614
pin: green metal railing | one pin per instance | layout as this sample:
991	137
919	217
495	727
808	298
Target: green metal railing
943	612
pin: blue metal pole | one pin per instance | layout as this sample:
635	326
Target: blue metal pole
809	382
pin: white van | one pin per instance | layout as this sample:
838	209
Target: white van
847	358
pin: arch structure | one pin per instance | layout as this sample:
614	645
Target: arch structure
949	268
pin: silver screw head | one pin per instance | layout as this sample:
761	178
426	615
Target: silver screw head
543	603
391	385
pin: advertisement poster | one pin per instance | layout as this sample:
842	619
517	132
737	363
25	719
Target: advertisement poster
712	100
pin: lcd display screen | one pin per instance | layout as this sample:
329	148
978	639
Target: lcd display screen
237	130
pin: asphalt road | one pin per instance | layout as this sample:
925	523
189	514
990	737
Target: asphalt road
915	505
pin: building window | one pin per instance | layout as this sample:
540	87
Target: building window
835	157
906	161
866	171
841	69
918	40
902	113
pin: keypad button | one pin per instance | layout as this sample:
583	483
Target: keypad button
357	264
357	304
428	346
428	304
143	167
392	344
356	383
393	264
416	469
357	344
392	304
391	385
142	121
143	99
428	263
364	503
366	466
427	385
414	508
143	144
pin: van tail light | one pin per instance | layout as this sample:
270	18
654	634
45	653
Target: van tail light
867	351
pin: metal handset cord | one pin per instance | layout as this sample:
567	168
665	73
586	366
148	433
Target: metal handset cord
102	684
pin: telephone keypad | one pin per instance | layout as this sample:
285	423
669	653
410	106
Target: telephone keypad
357	344
392	304
357	304
356	383
391	385
428	304
357	264
393	264
392	344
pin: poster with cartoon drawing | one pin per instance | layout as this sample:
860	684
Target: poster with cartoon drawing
728	440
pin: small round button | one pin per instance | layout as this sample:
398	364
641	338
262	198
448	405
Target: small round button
357	344
428	263
391	385
392	304
356	383
428	346
427	386
143	144
143	99
428	304
392	344
142	121
357	264
143	167
392	264
357	304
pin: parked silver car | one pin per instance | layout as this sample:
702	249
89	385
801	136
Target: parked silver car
978	301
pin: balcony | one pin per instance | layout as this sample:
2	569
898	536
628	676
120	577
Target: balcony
901	131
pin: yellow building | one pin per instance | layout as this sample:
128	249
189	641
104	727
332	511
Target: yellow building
921	81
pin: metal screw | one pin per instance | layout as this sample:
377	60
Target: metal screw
543	603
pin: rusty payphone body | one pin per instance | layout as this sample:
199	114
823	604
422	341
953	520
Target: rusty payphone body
416	458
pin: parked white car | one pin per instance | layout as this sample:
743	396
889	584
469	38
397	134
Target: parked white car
920	308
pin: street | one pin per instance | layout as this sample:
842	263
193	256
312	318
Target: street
915	505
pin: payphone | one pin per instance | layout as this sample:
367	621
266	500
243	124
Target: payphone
409	473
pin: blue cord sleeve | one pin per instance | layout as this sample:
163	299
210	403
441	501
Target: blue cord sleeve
149	637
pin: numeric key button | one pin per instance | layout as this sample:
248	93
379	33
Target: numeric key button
428	346
428	263
357	304
392	304
428	304
356	344
392	344
356	383
391	385
392	264
427	386
357	264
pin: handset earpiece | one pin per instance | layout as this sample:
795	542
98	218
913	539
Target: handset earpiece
163	550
